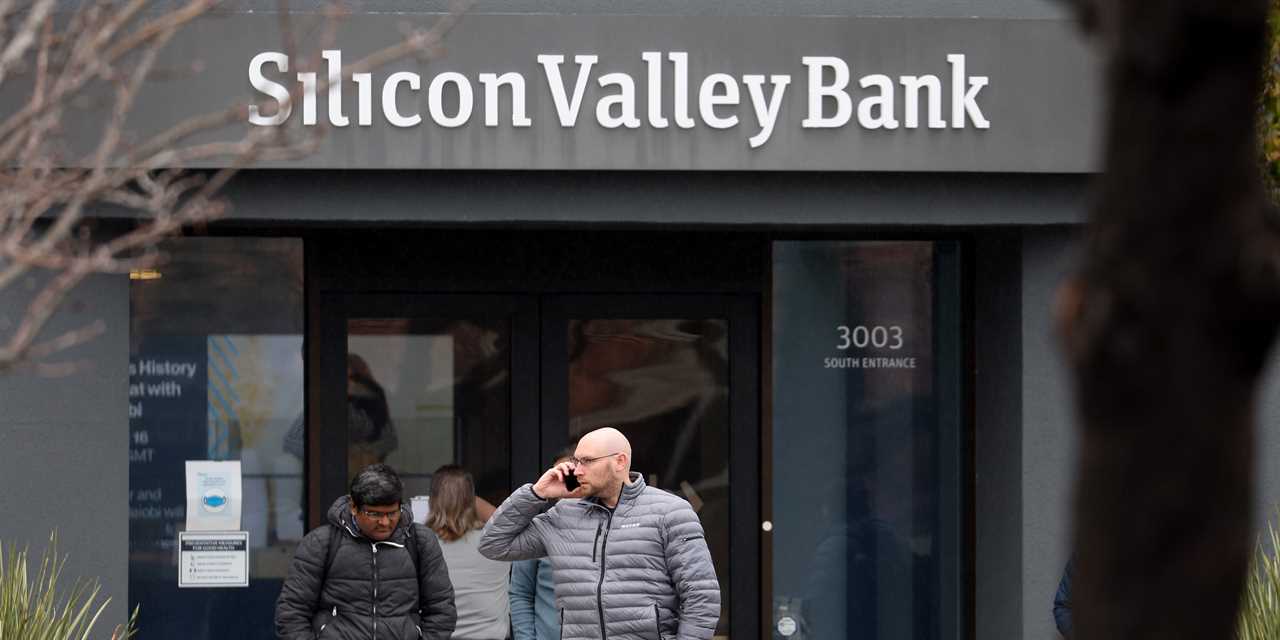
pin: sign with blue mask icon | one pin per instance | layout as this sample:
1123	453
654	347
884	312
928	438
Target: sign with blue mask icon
213	495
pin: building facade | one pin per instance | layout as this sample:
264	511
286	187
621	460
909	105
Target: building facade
802	255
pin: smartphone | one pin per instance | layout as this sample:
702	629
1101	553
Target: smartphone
571	482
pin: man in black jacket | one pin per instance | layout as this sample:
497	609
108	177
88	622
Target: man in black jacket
369	573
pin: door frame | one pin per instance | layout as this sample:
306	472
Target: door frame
336	300
742	312
327	459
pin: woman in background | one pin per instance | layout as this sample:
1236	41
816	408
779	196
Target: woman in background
370	432
479	584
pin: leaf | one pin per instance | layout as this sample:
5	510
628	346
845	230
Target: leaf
37	606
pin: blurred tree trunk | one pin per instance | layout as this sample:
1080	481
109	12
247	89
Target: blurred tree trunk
1169	322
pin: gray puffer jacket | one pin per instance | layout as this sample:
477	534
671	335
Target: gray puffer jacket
640	572
367	589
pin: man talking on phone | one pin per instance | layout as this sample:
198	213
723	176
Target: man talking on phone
628	560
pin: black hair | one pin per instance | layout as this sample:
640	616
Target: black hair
373	404
378	485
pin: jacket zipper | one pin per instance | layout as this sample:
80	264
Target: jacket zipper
332	616
561	624
375	590
657	624
595	543
608	523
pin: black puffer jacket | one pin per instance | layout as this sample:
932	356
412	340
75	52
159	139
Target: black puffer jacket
370	591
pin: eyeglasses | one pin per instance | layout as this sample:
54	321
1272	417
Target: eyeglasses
586	461
380	515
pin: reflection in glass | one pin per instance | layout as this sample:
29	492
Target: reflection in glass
371	435
665	384
862	539
215	373
426	392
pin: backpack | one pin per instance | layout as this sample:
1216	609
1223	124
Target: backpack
335	539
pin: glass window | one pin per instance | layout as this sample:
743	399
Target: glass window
866	452
215	373
425	392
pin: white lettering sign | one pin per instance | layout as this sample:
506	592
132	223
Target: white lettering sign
832	99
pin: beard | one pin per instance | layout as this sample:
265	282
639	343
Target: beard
609	488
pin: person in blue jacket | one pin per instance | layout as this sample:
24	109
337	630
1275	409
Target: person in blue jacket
533	601
532	593
1062	601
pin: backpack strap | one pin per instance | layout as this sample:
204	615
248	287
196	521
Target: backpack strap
413	542
413	557
335	539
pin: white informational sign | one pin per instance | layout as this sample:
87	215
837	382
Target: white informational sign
420	506
213	559
213	495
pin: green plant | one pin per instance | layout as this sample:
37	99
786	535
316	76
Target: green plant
1260	608
1269	107
31	607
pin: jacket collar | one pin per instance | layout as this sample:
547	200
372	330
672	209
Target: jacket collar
339	515
630	491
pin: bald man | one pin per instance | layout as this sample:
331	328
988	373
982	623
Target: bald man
629	561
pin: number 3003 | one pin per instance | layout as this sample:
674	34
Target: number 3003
860	337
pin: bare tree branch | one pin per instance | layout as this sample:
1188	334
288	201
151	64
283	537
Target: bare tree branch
46	194
25	37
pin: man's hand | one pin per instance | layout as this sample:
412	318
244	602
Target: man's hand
551	485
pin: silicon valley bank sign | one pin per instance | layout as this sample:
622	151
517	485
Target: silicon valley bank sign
717	100
649	93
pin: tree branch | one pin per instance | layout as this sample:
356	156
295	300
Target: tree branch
44	200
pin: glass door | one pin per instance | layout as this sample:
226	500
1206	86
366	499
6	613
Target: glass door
868	402
429	381
677	374
499	384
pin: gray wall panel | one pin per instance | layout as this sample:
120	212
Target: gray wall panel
1049	439
348	197
1267	453
64	446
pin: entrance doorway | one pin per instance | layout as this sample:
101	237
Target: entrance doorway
500	382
